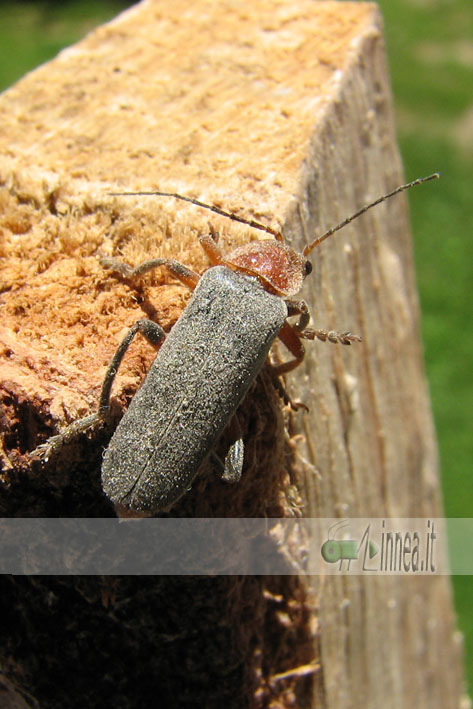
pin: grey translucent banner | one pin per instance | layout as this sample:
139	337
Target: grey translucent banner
170	546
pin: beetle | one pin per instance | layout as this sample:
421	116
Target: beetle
206	364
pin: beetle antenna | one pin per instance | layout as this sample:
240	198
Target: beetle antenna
408	185
249	222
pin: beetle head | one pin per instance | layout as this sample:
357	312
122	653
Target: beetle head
279	268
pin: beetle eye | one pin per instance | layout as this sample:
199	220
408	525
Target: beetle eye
307	268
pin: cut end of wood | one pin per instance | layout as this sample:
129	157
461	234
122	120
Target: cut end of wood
230	129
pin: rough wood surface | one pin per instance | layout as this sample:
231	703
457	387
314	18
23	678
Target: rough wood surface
280	112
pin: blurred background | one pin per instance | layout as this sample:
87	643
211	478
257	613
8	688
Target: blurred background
430	50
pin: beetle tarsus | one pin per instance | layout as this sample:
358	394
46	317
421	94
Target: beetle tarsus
54	444
178	270
333	336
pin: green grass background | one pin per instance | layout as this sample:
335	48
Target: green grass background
430	49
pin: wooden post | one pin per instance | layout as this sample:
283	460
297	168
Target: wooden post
279	112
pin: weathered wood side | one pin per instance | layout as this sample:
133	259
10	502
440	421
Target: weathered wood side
280	112
369	445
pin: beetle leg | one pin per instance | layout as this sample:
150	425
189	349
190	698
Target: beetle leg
296	307
233	466
299	307
178	270
214	234
342	338
55	443
154	333
282	391
215	256
290	336
231	469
